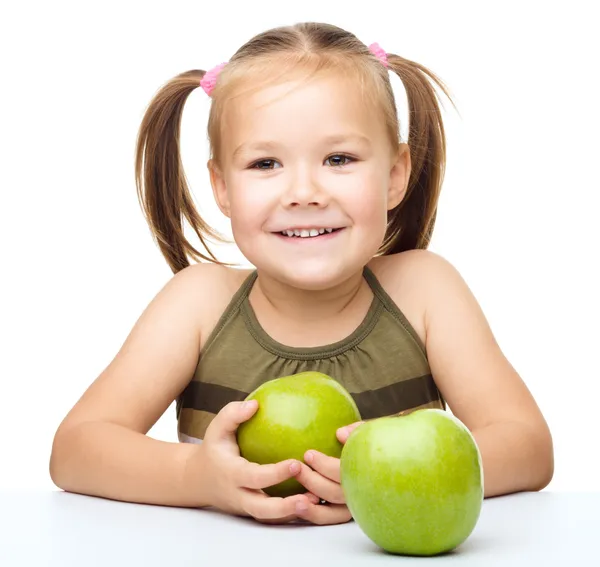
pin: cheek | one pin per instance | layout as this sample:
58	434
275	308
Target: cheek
367	199
249	206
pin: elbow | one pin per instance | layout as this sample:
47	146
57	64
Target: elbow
543	477
544	459
59	459
54	467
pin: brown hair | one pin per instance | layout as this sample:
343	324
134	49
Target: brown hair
161	184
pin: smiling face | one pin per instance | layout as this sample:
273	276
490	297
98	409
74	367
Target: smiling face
307	176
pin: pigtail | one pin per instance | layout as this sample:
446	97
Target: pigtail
162	188
410	224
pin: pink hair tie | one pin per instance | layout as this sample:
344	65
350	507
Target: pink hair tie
376	50
209	80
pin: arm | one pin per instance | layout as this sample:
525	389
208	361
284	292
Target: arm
481	387
101	447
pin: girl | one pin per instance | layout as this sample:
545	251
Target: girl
335	213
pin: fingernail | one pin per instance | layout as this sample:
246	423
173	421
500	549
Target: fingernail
301	507
295	467
247	405
343	431
309	457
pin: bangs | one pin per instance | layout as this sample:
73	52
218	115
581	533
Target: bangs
244	78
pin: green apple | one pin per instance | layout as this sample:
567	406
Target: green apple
413	483
295	413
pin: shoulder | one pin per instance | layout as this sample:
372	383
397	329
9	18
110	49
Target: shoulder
423	270
208	288
210	278
417	280
417	262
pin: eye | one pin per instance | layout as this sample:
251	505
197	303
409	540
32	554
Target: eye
264	164
339	160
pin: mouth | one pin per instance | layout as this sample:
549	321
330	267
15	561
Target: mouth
308	233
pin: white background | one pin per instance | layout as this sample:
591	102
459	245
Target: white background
517	214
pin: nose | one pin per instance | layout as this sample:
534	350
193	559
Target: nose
303	190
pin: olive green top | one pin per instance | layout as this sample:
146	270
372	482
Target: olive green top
383	363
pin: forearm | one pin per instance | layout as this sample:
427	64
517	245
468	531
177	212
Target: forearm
111	461
516	457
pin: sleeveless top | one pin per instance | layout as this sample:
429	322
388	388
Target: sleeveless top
382	363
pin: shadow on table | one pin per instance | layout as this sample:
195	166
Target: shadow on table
474	545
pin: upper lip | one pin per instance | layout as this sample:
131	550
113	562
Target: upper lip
309	227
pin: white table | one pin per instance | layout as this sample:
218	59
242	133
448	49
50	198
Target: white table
57	529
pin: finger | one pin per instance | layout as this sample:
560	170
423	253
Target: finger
253	475
263	507
285	520
321	486
326	514
226	422
327	466
313	499
344	432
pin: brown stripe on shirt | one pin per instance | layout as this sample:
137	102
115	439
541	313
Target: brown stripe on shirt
388	400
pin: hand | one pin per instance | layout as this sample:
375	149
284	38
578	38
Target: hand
322	479
233	484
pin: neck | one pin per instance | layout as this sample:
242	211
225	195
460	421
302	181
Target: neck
308	306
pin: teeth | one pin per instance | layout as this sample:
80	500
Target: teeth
306	233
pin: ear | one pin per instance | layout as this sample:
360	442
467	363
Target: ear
399	176
219	187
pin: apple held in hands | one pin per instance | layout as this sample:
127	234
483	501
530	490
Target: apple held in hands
295	413
413	483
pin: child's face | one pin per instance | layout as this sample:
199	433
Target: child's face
316	157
